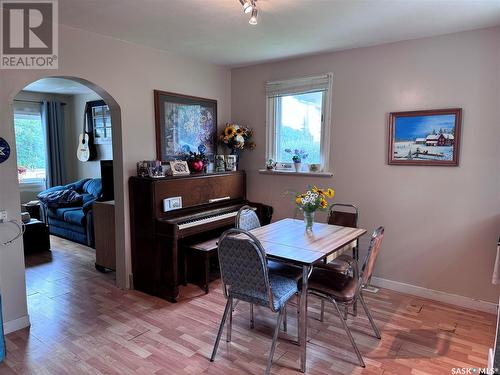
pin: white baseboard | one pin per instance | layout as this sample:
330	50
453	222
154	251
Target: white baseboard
436	295
16	324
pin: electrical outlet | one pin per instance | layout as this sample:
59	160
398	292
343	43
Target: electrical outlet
3	216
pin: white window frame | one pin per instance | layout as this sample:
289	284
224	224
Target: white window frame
295	86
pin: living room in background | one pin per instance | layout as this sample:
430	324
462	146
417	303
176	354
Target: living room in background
298	120
48	118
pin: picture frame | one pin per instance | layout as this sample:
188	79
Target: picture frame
230	161
220	163
426	138
179	168
184	123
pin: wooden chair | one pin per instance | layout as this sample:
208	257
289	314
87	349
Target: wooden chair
339	289
245	277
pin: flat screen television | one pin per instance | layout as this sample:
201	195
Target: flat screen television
108	189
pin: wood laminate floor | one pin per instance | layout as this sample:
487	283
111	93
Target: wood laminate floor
82	324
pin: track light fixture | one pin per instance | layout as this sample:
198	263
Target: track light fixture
253	18
247	6
250	6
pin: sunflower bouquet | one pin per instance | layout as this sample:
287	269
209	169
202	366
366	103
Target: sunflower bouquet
237	137
314	199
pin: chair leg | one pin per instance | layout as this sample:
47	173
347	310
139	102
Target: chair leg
369	315
275	339
252	325
348	331
322	313
285	325
230	323
221	328
298	318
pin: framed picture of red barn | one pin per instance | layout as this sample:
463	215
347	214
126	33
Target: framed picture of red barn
430	137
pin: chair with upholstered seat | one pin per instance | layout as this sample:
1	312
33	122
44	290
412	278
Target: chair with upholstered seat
247	219
345	289
346	215
245	277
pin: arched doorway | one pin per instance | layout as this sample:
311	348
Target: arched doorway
115	112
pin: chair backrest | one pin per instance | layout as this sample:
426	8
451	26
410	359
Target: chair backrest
348	216
371	255
247	219
243	266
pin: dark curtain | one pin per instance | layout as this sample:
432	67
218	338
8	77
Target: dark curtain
53	121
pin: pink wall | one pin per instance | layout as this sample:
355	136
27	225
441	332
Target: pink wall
442	223
127	74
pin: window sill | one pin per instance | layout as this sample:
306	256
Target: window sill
32	182
289	173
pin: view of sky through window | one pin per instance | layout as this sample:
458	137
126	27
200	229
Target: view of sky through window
298	126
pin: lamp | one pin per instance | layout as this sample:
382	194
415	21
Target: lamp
250	6
247	5
253	18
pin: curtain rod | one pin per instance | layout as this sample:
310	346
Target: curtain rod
32	101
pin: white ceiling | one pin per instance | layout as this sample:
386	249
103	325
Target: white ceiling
218	31
58	86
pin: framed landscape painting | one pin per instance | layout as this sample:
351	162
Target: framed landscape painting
184	123
429	137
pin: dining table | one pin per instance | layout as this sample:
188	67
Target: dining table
288	241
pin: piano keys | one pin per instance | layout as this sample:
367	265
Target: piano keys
210	203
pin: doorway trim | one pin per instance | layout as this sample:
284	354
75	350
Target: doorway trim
118	174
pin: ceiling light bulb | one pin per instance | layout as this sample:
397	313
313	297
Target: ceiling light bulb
247	6
253	19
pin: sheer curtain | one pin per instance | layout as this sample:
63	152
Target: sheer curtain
53	124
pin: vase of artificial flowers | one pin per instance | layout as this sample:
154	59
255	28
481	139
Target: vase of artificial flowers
297	157
237	138
314	199
197	161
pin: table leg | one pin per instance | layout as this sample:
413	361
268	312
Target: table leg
303	318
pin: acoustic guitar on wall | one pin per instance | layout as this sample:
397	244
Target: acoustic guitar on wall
83	150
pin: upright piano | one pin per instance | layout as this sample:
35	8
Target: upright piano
159	227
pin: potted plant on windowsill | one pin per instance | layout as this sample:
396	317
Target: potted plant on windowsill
297	157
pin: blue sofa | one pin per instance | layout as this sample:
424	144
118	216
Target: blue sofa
76	222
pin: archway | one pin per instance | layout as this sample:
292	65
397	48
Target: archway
118	177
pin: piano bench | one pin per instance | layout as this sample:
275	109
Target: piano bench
207	249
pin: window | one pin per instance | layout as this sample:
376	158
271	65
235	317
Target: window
99	117
298	118
31	144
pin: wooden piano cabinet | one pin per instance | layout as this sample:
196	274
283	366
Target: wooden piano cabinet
155	236
104	231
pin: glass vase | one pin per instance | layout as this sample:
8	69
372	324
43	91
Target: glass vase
309	220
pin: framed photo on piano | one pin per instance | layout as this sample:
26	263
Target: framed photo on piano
183	124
